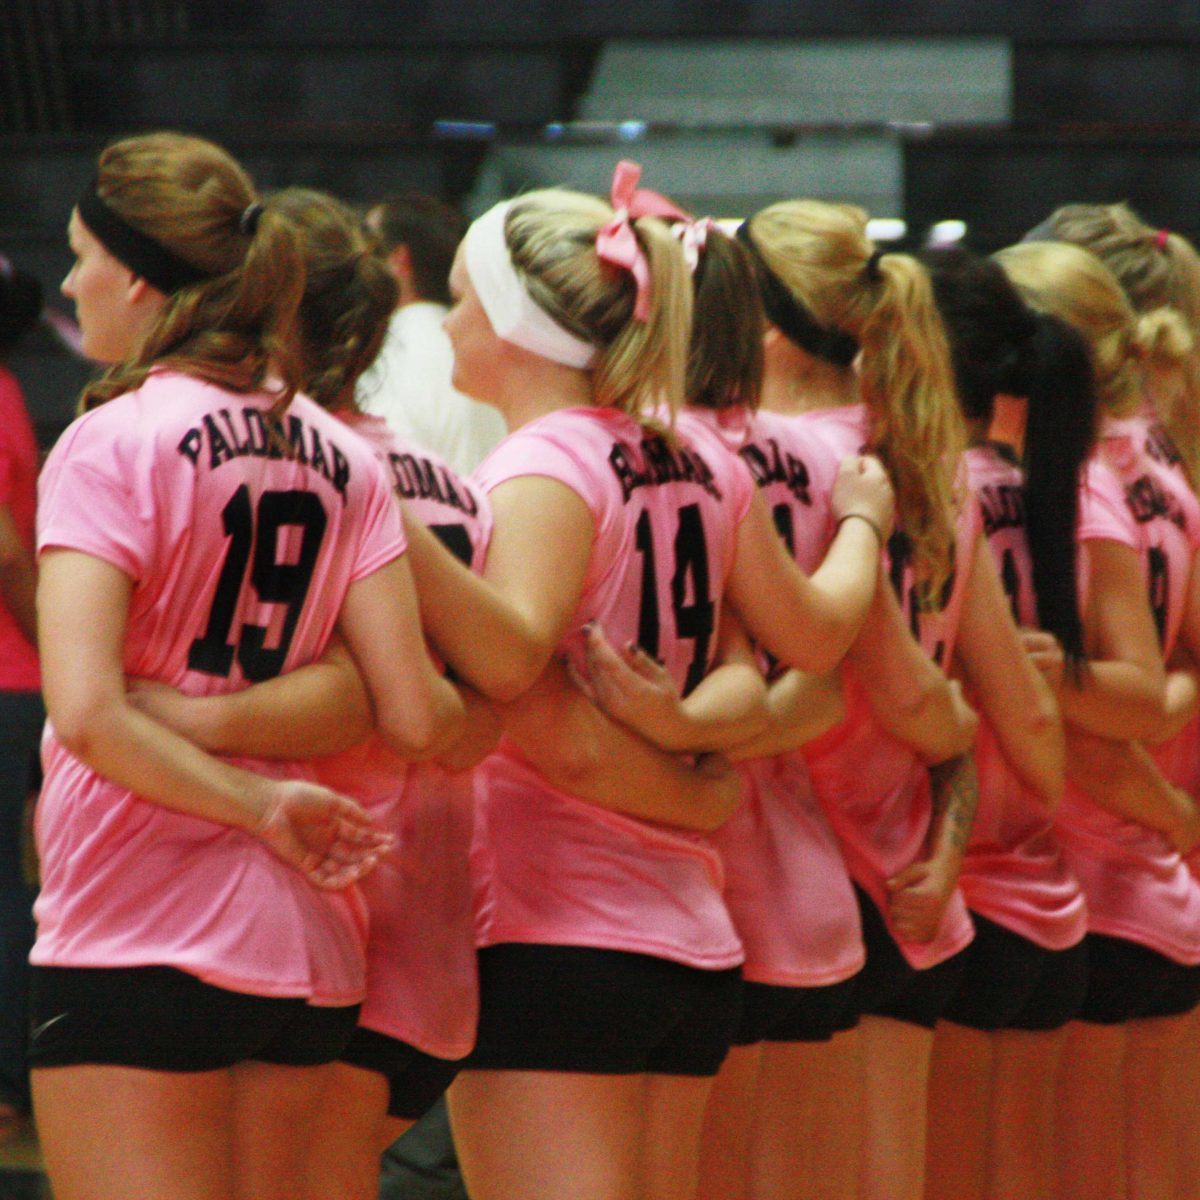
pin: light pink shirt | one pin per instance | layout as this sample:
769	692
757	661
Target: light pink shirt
422	981
551	868
1136	884
786	883
240	549
874	789
1013	872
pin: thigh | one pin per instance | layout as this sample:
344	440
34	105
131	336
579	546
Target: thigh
545	1135
674	1117
111	1133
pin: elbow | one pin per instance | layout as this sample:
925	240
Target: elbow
80	726
420	735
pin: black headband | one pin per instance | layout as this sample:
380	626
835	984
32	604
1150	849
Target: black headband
794	321
144	256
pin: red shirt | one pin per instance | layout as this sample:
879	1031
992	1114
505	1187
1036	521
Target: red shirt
18	492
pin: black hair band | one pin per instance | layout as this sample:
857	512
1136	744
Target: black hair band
792	319
145	257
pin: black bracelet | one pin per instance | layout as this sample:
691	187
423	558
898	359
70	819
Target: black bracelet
862	517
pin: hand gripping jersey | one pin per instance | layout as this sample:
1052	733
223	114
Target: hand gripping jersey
422	981
1137	886
786	884
1013	872
241	536
550	868
874	789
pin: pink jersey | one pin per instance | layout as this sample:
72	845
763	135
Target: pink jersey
422	981
874	789
549	867
18	489
241	537
786	883
1013	872
1137	886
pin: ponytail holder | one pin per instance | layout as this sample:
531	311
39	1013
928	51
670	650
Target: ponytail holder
1160	238
871	270
693	235
617	244
248	223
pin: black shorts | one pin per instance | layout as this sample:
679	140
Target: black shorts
605	1012
163	1019
890	986
1010	982
415	1079
771	1013
1128	981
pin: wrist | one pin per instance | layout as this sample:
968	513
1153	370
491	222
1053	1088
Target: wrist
870	521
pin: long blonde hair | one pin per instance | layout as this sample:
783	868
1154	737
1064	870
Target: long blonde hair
1074	285
640	366
1160	272
237	324
822	254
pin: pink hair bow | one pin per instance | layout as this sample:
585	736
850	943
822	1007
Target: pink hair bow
617	244
694	236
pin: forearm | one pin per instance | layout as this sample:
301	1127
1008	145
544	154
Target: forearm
1124	779
1119	700
800	708
954	788
580	750
728	707
1032	739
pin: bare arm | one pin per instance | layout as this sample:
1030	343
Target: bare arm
499	632
810	623
568	740
909	694
18	576
800	708
920	893
83	605
1123	778
1121	694
1015	697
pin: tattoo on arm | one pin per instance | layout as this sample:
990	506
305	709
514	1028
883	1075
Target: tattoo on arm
955	788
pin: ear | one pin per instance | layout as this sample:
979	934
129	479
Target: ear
400	263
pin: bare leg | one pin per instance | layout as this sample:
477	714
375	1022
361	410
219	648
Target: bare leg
548	1135
896	1084
1025	1076
347	1139
1185	1086
725	1144
805	1143
275	1113
111	1133
960	1101
674	1117
1151	1113
1089	1129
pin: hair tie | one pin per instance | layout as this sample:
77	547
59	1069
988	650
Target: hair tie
791	317
871	270
617	244
1160	238
248	222
693	236
146	258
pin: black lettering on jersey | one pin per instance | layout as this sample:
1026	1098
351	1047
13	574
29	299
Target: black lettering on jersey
419	478
247	432
1147	499
769	463
1003	506
916	599
656	462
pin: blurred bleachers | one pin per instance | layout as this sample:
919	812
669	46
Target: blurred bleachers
986	111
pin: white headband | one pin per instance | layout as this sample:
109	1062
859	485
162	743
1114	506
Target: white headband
511	309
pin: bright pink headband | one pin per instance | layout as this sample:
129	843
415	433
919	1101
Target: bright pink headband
1160	238
617	244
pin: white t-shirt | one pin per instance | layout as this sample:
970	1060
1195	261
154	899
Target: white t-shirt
409	386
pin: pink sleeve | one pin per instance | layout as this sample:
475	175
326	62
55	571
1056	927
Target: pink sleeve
93	497
382	537
1103	513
